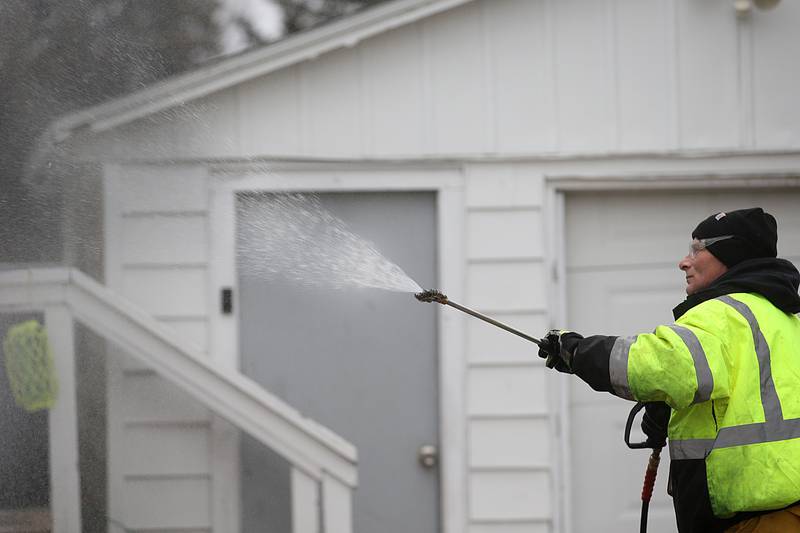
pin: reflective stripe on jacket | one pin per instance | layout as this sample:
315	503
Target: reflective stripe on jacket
730	369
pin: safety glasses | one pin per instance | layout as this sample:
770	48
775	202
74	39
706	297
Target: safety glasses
698	245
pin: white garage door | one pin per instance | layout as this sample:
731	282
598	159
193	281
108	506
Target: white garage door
622	276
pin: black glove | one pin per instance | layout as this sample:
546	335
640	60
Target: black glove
554	353
655	422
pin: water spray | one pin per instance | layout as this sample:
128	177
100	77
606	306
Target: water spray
431	296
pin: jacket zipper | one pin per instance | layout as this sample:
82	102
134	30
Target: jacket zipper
714	415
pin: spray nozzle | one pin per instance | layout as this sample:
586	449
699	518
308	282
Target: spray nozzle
431	296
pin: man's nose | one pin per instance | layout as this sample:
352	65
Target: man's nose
685	263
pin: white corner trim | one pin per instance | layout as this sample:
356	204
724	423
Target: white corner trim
65	504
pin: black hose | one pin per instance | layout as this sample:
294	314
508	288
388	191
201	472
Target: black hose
643	520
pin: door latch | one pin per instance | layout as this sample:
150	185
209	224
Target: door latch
428	455
226	300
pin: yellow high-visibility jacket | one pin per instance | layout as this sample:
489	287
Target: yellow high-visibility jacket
729	367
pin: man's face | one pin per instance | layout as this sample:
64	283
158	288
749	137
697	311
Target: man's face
701	268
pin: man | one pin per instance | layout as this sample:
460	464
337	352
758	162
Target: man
729	370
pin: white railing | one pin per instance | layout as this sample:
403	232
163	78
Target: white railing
324	465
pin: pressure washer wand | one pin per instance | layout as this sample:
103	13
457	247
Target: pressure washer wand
431	295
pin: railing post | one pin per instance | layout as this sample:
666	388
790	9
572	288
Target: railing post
305	503
65	502
337	506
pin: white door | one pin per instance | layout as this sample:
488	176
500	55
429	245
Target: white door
622	251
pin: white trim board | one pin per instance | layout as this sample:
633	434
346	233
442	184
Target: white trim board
448	184
558	185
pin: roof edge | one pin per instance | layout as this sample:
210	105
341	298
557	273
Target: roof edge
203	81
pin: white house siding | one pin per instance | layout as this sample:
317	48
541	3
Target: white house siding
510	465
159	439
566	85
510	77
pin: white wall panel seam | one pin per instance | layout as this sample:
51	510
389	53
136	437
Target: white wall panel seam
114	377
532	415
504	208
488	78
166	266
429	110
185	213
514	468
139	424
504	259
118	264
677	101
502	521
510	311
510	363
551	19
365	104
612	15
744	41
236	127
204	476
181	318
303	107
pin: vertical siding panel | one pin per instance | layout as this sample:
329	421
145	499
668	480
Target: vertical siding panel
458	80
776	76
154	240
507	286
267	114
509	443
115	402
511	496
503	185
205	127
585	76
642	74
158	189
488	345
542	526
303	104
708	74
171	200
524	103
392	78
170	503
504	234
333	104
507	389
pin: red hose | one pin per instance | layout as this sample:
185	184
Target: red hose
650	475
647	488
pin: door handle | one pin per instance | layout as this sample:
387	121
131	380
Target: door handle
428	455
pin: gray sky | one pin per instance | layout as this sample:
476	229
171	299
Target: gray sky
265	15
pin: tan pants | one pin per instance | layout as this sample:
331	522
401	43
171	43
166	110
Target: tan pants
786	520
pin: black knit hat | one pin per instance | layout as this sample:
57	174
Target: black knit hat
755	234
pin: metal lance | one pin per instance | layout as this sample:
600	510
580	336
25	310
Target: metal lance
431	296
